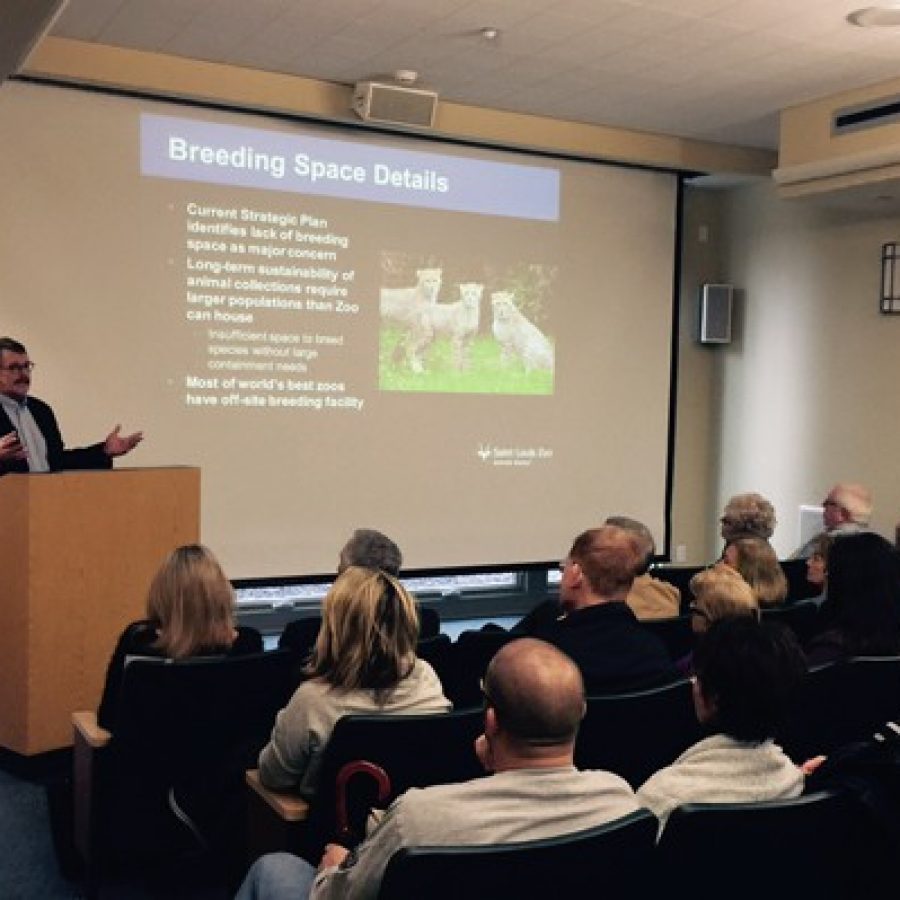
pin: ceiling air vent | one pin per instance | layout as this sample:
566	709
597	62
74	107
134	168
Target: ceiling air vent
884	111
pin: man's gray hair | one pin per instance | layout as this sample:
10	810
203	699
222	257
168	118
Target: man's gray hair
643	533
856	499
372	550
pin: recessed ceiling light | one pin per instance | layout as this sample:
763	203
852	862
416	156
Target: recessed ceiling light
885	16
490	33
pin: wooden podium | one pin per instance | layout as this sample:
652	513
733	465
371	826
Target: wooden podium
77	553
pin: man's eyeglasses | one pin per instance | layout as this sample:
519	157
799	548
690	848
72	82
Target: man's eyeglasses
18	367
830	503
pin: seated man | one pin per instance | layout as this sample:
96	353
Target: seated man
649	597
366	548
597	629
747	677
534	701
846	510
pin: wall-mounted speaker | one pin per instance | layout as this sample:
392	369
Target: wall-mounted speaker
393	104
715	313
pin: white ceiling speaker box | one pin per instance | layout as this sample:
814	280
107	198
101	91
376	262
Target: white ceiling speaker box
393	104
715	313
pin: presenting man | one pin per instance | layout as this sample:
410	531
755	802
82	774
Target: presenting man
30	440
534	702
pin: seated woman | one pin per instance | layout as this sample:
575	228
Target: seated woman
190	612
817	567
364	661
747	677
747	515
861	610
719	593
755	559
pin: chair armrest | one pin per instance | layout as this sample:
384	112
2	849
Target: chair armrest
89	742
288	807
85	724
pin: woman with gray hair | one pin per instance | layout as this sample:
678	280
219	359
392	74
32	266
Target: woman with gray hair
748	515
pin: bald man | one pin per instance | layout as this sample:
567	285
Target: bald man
534	702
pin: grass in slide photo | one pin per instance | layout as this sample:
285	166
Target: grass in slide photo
487	372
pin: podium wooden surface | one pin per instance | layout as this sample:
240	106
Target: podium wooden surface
77	553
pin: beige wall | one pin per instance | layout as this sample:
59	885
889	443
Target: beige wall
806	394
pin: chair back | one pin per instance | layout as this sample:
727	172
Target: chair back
616	856
190	727
637	733
810	846
680	576
472	652
412	750
675	632
437	651
842	702
800	617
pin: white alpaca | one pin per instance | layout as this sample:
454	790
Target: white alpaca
409	307
459	320
517	336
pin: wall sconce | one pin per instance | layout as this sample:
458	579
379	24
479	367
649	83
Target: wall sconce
890	278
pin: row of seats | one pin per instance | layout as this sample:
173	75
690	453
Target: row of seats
171	777
821	845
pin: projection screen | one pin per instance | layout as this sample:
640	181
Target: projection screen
466	348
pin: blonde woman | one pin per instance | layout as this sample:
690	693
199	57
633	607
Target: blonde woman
720	593
190	612
364	661
755	559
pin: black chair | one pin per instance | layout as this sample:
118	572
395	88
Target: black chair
168	785
429	623
411	751
299	636
472	652
674	632
801	618
842	702
438	652
680	576
817	845
612	860
635	734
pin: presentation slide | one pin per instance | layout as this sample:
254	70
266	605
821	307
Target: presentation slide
466	348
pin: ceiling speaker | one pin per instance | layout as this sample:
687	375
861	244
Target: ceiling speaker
393	104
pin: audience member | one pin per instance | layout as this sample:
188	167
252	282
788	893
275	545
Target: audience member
364	661
190	612
817	567
371	549
747	515
861	611
534	701
846	510
747	677
597	629
756	561
649	597
366	548
719	592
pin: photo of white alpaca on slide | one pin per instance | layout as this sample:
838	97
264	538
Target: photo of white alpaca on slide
517	337
408	307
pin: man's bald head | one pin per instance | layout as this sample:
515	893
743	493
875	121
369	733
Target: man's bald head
537	694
